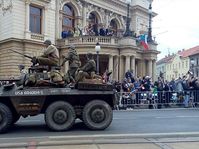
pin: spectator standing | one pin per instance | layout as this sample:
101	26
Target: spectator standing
102	31
95	29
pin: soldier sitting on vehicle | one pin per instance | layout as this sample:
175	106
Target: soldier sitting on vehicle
88	70
50	58
50	55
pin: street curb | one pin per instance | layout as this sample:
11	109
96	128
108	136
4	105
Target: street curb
163	109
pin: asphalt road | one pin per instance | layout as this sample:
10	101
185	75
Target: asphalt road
138	123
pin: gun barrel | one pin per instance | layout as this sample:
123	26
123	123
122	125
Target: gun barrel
21	54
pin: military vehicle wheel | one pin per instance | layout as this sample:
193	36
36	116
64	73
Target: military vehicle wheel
97	115
5	118
15	118
60	116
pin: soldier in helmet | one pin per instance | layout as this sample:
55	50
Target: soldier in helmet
90	66
50	55
74	63
88	70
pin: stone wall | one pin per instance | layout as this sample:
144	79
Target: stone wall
9	60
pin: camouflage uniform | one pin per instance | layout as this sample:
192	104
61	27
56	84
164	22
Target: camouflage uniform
88	70
74	63
50	56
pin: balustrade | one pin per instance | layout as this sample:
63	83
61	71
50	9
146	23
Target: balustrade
92	40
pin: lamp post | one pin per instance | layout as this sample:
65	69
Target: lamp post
128	32
97	49
149	38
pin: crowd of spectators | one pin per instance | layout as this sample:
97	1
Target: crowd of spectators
89	30
180	90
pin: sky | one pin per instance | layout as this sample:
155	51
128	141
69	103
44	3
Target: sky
176	26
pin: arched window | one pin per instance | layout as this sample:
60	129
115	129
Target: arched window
93	18
68	21
113	26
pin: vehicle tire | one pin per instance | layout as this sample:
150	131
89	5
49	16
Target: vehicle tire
5	118
97	115
15	118
60	116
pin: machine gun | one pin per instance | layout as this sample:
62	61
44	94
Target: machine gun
33	59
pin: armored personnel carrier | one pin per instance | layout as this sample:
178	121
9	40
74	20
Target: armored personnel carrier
89	101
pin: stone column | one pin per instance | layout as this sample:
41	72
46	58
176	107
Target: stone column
115	69
154	70
84	12
133	64
107	19
60	25
121	68
150	68
57	29
138	67
141	68
127	63
27	22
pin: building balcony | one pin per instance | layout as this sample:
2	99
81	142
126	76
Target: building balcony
92	40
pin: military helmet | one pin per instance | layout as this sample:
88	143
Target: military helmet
89	55
47	42
21	66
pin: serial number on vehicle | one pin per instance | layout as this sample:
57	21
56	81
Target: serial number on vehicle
28	92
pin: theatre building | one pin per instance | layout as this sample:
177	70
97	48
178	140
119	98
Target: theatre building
25	24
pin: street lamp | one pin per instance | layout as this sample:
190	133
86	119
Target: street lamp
149	38
97	49
128	32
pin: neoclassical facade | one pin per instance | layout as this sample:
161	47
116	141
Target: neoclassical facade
25	24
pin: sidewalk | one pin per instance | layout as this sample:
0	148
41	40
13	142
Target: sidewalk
135	143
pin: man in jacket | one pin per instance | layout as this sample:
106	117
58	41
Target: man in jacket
50	55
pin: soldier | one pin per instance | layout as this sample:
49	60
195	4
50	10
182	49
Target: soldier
74	63
88	70
22	69
50	56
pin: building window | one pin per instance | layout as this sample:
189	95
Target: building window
93	19
35	19
68	21
113	27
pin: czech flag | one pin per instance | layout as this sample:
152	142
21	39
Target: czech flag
143	41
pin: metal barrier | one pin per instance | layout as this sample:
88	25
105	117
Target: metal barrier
158	100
